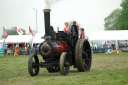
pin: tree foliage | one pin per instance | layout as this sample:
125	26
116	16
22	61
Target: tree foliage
123	18
13	31
111	21
71	22
24	31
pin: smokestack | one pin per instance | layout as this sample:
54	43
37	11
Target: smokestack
47	21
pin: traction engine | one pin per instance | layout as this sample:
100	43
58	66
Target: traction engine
60	51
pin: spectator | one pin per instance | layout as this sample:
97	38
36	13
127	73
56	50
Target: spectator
99	45
92	45
5	46
24	51
28	45
105	45
17	45
113	46
27	50
108	44
95	46
9	50
82	35
16	51
66	27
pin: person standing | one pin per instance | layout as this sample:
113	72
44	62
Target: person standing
113	46
108	44
74	23
105	45
82	35
95	46
66	27
5	48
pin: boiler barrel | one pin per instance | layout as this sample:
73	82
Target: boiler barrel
61	47
50	48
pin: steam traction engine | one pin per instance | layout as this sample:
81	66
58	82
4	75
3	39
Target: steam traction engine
60	51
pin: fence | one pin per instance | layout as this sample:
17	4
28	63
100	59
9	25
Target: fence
1	52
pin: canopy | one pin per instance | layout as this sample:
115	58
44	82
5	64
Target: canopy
37	38
1	41
109	35
18	39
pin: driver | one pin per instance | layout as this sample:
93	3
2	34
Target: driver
74	24
74	28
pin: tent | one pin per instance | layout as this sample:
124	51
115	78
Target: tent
37	38
109	35
1	43
18	39
25	38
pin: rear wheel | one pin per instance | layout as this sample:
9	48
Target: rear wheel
83	56
64	64
33	63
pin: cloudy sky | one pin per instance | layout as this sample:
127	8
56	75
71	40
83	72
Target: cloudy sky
89	13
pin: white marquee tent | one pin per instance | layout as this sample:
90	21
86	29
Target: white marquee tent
18	39
1	43
109	35
37	38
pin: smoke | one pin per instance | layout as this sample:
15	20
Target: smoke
50	3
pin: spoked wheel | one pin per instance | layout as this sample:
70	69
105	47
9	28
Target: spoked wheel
83	56
33	67
53	69
64	64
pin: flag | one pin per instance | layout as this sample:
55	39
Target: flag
19	31
5	33
30	30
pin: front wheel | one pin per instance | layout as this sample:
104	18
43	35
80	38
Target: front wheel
33	63
64	64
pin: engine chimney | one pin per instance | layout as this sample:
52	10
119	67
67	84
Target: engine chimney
47	21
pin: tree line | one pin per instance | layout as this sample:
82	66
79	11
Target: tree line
13	31
118	19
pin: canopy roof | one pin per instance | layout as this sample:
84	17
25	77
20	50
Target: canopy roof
109	35
37	38
1	41
18	39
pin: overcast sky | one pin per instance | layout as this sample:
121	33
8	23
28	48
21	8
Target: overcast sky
89	13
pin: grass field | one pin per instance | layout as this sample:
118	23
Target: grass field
107	69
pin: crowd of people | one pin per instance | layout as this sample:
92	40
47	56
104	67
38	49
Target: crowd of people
106	46
16	50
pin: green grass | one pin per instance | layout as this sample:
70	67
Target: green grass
107	69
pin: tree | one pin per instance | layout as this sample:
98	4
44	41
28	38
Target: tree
71	22
13	31
111	21
24	32
123	18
